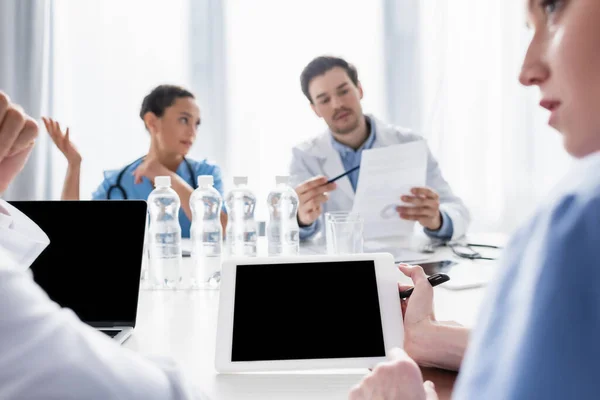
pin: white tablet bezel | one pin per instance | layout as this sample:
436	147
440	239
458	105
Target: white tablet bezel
387	276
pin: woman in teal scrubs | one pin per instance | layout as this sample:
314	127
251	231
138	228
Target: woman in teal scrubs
172	117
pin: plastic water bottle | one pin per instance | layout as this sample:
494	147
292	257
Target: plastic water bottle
283	233
207	234
241	233
145	281
164	235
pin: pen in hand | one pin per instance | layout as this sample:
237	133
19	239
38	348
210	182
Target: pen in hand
434	280
344	174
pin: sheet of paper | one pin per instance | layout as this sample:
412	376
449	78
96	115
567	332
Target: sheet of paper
386	174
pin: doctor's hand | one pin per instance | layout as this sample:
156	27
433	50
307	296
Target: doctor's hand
312	194
425	208
150	168
18	132
397	379
62	141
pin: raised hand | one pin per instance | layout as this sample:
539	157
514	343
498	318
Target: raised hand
62	141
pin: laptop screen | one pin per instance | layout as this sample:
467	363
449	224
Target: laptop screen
93	263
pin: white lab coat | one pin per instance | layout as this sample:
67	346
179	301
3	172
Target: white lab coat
47	353
318	157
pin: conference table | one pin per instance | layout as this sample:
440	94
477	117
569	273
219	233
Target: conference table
181	325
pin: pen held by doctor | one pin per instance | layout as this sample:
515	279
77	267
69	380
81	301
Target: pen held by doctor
344	174
312	193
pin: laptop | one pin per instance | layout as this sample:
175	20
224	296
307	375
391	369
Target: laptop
94	260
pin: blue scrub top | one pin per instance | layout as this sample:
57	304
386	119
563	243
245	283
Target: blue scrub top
142	190
537	335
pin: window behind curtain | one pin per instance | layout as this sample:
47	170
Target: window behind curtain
486	130
108	55
268	44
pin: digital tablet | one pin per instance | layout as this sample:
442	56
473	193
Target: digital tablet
307	312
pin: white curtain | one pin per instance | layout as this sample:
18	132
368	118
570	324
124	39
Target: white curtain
108	55
268	44
403	72
486	130
209	79
24	60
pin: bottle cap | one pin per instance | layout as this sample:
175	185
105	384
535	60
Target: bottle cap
162	181
205	180
282	180
240	180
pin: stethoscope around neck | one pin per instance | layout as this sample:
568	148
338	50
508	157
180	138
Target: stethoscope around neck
117	185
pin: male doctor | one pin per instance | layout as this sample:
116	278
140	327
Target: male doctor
46	352
334	91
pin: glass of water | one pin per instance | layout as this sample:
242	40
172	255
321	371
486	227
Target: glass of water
344	232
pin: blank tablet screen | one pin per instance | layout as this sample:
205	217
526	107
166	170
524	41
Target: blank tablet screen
306	311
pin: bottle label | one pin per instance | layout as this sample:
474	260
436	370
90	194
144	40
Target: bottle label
173	238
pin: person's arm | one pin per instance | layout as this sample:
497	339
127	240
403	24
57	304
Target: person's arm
445	231
308	231
426	342
17	138
224	220
429	342
63	143
72	183
151	168
439	345
47	352
184	191
218	184
312	192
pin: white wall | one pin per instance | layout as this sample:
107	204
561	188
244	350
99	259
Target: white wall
486	130
269	43
108	55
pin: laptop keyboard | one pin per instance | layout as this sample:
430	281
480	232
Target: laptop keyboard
110	333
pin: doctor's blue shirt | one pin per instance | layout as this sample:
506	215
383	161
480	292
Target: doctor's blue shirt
537	337
142	191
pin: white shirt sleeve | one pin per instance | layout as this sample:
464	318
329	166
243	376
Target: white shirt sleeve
21	240
47	352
